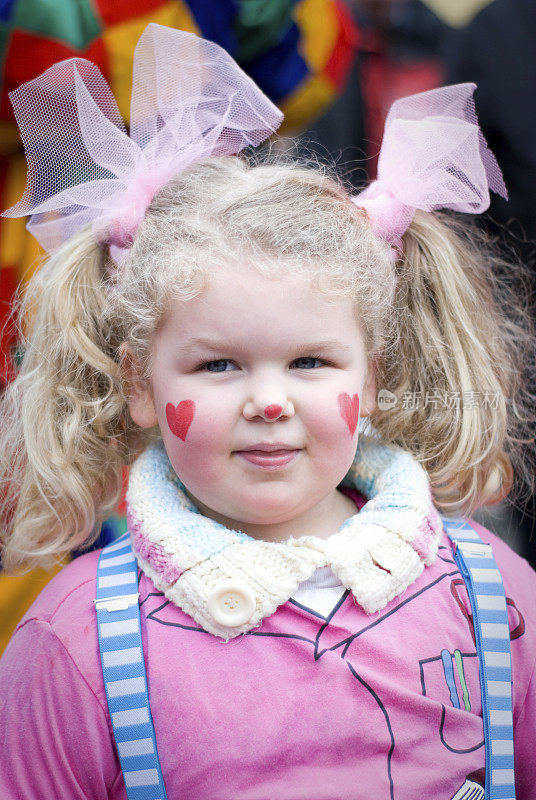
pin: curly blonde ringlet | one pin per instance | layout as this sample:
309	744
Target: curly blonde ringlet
63	434
466	362
65	430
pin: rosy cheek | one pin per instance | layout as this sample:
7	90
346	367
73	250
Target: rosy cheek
179	418
349	410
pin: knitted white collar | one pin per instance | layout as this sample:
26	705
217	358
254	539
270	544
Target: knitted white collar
195	561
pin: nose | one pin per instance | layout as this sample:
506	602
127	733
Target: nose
273	411
258	408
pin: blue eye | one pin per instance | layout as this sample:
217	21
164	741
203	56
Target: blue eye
219	365
307	362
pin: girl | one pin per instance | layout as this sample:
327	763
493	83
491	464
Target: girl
223	326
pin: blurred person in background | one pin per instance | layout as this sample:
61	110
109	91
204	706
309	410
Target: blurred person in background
497	51
400	52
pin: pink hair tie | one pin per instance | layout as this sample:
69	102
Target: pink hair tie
433	156
137	197
189	100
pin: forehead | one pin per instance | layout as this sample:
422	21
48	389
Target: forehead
245	303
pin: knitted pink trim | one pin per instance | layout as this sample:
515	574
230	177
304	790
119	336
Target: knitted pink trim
425	541
153	553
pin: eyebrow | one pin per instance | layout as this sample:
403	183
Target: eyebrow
322	345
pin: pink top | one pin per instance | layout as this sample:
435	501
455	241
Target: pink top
304	707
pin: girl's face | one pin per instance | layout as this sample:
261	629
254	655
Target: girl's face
256	387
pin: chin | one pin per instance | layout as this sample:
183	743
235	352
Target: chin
269	509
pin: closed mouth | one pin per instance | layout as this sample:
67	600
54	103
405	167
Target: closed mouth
272	459
268	447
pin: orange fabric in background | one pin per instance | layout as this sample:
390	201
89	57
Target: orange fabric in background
17	593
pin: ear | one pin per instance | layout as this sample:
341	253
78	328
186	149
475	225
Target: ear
368	397
139	396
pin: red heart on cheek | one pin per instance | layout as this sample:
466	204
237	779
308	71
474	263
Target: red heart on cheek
180	418
349	408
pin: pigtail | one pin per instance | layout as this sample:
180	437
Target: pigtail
461	366
63	432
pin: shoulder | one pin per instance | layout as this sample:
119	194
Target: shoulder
518	576
51	689
72	589
519	581
64	617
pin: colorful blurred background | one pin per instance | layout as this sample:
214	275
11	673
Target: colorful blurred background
334	68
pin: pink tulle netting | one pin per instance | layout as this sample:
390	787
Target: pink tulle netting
433	155
189	100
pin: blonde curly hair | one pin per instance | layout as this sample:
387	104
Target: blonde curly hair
444	317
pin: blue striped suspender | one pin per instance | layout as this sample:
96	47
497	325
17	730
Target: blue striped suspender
123	668
492	634
118	618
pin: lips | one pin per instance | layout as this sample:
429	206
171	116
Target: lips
269	456
267	447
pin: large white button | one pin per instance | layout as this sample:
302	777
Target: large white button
231	603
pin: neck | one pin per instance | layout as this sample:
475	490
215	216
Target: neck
322	521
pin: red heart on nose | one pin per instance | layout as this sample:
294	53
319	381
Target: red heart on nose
349	408
179	419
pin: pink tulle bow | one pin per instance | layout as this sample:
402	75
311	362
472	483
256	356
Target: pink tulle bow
189	100
433	156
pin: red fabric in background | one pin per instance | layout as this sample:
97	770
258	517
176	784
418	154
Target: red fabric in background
44	52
